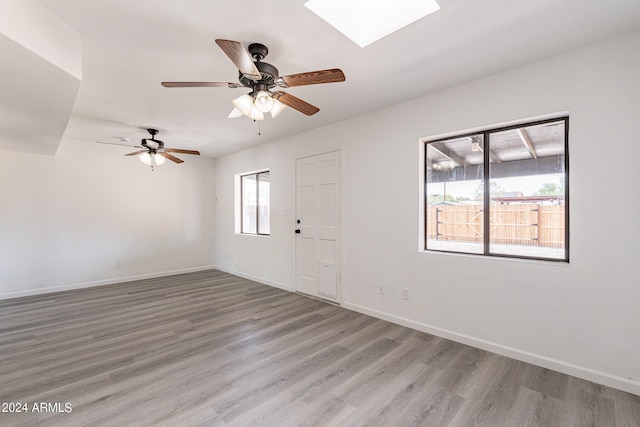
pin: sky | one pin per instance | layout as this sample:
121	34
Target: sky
527	184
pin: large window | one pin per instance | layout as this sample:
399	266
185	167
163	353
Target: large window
518	175
255	189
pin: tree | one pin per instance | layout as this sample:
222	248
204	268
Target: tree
550	189
494	188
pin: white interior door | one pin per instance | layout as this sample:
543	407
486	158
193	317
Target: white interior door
318	230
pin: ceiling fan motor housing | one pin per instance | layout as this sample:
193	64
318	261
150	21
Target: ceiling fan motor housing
268	72
155	143
258	51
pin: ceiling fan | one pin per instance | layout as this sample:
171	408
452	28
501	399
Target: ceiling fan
153	152
261	78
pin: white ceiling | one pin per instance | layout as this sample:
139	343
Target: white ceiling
129	47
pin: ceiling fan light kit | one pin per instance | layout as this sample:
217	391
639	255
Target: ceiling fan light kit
153	159
235	113
278	107
261	78
263	101
256	108
245	105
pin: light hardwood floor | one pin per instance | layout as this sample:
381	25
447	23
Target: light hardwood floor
209	348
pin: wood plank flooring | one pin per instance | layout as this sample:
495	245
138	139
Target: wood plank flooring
212	349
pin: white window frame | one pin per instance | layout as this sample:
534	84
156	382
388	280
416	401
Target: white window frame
239	199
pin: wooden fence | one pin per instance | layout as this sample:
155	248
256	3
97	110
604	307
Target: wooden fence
522	224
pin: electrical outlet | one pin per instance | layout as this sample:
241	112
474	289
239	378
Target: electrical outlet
380	289
405	294
118	264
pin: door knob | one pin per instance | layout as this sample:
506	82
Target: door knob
297	231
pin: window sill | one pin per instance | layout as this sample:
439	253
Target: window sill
558	262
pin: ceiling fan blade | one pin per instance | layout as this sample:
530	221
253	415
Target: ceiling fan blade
135	153
311	78
170	157
123	145
296	103
201	84
177	150
239	55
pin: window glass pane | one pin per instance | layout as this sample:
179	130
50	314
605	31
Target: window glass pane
249	204
454	199
264	226
527	182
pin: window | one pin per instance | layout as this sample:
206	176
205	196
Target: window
517	174
255	189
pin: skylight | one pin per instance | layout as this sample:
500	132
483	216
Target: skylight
366	21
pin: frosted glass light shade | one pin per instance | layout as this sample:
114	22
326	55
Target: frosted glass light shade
255	114
145	158
160	160
278	107
152	159
235	113
263	101
244	104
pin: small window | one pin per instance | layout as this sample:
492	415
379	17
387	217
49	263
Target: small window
518	175
255	201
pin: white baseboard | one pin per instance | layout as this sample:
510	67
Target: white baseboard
614	381
255	279
112	281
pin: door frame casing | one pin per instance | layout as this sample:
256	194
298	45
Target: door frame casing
340	256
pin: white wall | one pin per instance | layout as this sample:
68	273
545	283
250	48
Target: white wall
581	318
65	220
